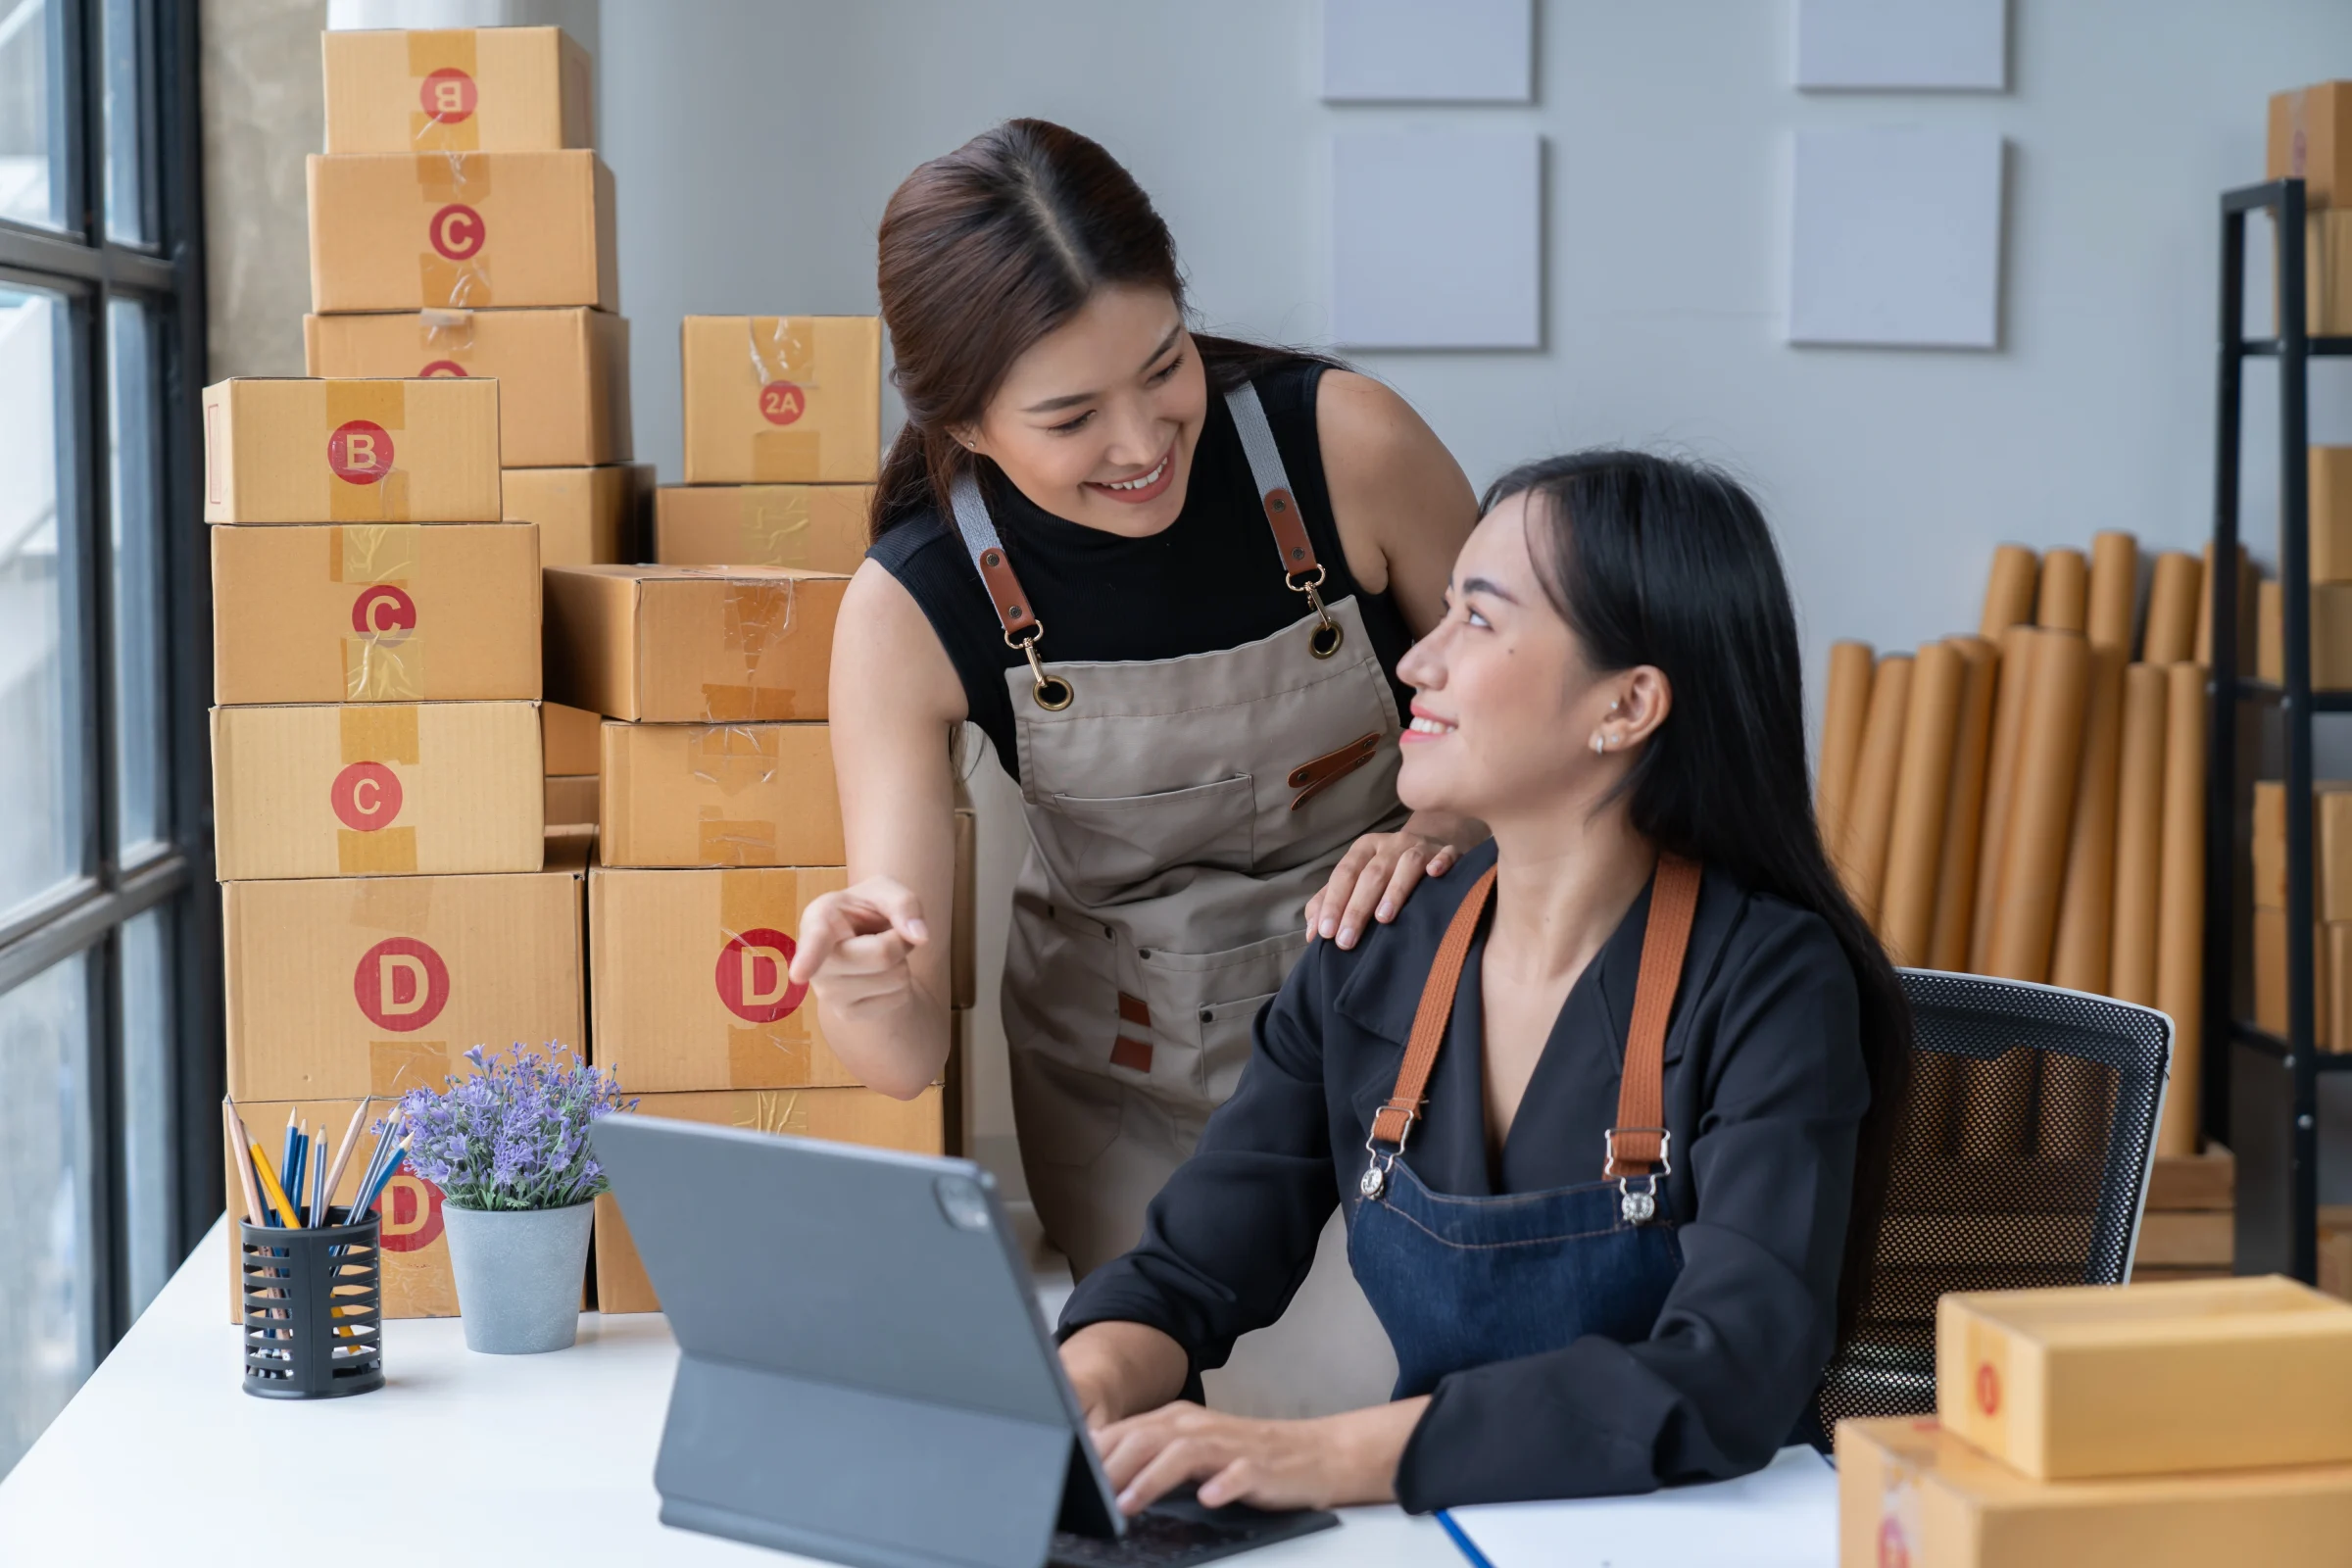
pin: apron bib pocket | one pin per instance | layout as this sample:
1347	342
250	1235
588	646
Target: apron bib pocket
1204	1004
1111	850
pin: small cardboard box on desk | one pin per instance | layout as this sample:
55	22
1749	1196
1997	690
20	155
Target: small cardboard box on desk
457	89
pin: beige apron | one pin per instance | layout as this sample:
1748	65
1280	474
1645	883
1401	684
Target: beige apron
1181	814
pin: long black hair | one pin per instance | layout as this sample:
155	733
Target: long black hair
987	249
1653	561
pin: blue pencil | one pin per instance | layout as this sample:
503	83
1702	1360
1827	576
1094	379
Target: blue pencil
1469	1548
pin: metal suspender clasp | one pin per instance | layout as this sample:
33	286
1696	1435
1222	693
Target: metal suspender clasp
1324	641
1054	694
1638	1205
1375	1180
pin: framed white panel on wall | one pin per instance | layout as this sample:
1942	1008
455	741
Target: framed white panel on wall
1429	51
1897	238
1895	45
1437	239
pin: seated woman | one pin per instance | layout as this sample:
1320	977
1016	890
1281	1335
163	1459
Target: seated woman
1601	1215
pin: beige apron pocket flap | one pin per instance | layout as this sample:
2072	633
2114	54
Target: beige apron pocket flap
1105	850
1204	1009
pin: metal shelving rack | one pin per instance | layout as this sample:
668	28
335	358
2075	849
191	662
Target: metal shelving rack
2262	1092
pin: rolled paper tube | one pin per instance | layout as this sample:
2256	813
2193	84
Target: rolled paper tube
1923	787
2171	630
2114	590
2009	592
2041	808
2180	904
2246	590
2013	682
2065	601
2138	836
1870	817
2079	957
1845	707
1964	807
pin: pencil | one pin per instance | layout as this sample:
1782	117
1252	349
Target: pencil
270	1185
228	1131
351	1141
318	1170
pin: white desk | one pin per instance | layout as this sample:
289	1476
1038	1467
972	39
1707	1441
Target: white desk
513	1459
544	1460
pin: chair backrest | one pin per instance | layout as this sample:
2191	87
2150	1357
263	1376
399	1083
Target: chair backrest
2023	1160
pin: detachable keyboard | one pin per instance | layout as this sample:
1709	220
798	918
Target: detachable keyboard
1178	1532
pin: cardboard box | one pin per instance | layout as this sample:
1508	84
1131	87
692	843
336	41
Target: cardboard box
690	984
2311	139
375	611
2331	512
563	375
572	800
376	790
2330	635
457	90
2331	848
691	644
379	985
586	517
2332	949
783	399
2085	1382
1911	1495
2327	274
837	1115
569	738
400	231
415	1279
281	450
819	526
2193	1182
686	795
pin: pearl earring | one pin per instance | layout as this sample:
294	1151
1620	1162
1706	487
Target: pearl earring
1601	743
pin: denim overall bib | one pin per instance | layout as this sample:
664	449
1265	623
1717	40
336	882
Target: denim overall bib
1181	812
1462	1281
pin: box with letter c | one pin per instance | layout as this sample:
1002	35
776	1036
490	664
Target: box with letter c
457	230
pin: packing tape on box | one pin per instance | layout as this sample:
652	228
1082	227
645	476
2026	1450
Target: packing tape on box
732	758
1900	1539
752	977
396	1066
378	736
383	656
784	372
776	1113
774	521
2298	132
754	617
386	734
366	422
441	65
441	332
451	270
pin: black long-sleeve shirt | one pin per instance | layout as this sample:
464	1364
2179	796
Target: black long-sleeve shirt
1765	1089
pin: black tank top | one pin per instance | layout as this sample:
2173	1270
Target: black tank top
1210	580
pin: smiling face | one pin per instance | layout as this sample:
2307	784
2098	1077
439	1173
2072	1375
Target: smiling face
1507	706
1098	419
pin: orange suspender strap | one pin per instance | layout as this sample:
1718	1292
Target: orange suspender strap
1637	1145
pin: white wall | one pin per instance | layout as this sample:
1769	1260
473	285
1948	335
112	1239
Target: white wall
756	142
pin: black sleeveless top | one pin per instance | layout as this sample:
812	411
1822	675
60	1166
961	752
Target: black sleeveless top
1210	580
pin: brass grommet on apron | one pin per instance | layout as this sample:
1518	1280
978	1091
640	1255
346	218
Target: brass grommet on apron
1168	861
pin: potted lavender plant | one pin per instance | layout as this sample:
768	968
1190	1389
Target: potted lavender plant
509	1149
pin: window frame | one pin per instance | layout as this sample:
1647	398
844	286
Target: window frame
85	915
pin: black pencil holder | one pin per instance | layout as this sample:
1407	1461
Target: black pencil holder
314	1308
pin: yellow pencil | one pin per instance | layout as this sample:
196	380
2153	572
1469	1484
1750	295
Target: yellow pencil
277	1194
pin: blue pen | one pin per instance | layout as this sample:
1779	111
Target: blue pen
1469	1548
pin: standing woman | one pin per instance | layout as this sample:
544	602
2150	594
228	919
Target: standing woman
1169	576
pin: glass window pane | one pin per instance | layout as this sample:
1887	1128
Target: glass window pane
32	105
47	1328
40	832
147	1133
138	582
126	131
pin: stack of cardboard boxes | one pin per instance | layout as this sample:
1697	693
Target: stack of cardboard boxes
376	766
718	820
2189	1424
461	225
2311	140
781	451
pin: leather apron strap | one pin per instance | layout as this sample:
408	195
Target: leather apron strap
1638	1145
1019	617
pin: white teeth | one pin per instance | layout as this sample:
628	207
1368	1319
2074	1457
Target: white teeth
1150	479
1430	726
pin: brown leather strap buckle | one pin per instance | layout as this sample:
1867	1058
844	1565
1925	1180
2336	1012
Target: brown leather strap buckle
1053	693
1638	1205
1375	1180
1324	641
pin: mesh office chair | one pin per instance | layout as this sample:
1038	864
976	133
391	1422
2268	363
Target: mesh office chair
2023	1160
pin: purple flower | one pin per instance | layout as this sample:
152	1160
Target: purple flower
512	1134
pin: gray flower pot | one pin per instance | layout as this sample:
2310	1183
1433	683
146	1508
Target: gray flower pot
519	1274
